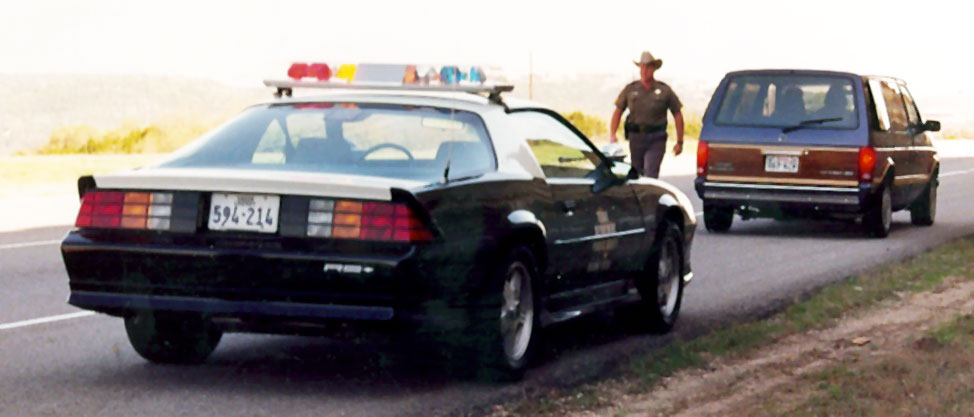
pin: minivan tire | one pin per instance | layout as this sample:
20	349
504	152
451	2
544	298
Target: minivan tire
879	216
717	218
924	209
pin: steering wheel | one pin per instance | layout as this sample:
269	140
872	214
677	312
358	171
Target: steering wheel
381	146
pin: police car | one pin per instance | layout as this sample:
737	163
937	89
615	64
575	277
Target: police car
409	198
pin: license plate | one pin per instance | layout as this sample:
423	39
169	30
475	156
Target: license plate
781	163
244	212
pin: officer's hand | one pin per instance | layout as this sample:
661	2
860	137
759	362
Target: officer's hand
678	148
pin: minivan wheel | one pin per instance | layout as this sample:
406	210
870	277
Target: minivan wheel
878	218
717	218
172	338
924	209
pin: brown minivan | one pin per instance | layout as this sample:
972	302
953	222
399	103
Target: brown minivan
801	143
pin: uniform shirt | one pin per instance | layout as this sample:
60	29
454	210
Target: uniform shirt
648	107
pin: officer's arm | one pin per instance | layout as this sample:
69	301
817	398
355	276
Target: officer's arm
614	125
678	121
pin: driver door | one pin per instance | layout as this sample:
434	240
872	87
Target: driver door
594	237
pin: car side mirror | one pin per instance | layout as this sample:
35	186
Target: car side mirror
931	126
607	177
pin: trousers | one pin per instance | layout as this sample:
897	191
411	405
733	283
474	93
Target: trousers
647	150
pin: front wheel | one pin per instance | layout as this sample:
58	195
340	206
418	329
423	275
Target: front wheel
661	284
924	209
171	338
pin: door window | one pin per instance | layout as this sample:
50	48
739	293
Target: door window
894	105
561	152
911	109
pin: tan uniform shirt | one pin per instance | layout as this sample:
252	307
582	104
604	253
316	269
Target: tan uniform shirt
648	107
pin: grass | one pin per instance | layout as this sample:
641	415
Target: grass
128	139
820	310
40	174
932	377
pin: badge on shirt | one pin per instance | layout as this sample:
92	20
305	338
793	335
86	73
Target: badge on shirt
658	91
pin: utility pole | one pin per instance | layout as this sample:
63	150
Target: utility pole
530	75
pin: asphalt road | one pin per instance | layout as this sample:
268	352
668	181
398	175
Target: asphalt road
82	364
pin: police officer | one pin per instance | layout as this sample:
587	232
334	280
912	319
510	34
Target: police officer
647	100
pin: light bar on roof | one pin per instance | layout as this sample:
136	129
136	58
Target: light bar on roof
387	76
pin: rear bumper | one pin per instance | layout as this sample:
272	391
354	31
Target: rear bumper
267	285
819	198
218	307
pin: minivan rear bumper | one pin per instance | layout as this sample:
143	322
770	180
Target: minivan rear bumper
843	199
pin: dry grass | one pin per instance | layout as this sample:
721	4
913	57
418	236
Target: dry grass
51	174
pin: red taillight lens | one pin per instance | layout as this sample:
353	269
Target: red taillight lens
703	156
867	162
346	219
126	210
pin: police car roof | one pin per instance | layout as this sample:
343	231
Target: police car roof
459	100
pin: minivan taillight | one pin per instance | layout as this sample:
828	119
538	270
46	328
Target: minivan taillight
365	220
867	162
703	155
125	210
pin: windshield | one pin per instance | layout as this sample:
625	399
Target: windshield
789	101
392	141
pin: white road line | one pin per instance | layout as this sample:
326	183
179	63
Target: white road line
952	173
49	319
29	244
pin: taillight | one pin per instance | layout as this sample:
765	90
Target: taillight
867	162
703	156
345	219
125	210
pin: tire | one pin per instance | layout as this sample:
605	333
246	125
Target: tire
717	218
172	339
924	209
876	222
504	339
660	286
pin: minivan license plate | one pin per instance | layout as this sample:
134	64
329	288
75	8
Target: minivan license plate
781	163
244	212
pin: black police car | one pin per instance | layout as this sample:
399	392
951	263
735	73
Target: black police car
415	206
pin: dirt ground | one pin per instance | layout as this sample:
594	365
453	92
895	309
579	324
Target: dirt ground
780	377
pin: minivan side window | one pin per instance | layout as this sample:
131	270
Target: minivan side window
882	116
895	106
911	109
560	152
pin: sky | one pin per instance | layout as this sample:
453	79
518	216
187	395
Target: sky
242	42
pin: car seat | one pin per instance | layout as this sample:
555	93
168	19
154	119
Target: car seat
465	157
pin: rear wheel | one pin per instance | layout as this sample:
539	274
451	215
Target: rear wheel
924	209
660	286
512	329
717	218
170	338
879	217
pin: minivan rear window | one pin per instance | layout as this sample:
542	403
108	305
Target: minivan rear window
815	102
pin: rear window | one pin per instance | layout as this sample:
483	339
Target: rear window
821	102
405	142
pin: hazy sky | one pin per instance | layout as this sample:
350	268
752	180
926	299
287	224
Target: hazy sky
242	42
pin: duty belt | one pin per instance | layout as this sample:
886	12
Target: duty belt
644	128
